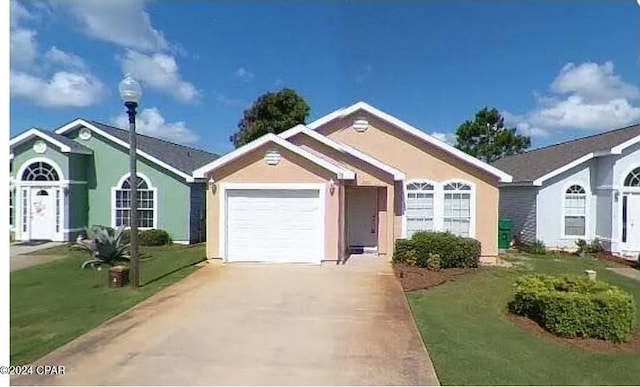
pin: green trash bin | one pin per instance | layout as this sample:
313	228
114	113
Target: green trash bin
505	233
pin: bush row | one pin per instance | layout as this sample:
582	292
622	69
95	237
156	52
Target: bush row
437	250
573	306
153	237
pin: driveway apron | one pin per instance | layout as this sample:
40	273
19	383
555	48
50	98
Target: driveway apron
247	324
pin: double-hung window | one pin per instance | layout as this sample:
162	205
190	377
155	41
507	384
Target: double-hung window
457	208
575	211
419	207
146	204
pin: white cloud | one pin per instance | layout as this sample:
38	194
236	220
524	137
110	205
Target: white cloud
159	72
245	75
23	48
592	82
17	13
61	90
588	96
448	138
57	56
150	122
123	22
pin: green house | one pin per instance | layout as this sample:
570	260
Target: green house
78	175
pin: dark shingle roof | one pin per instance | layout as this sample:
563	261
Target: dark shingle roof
529	166
74	145
183	158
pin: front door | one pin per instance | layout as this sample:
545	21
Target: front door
362	217
631	221
43	213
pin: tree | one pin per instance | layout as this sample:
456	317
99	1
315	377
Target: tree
271	113
488	139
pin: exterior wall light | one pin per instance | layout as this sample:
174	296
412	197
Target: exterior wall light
332	186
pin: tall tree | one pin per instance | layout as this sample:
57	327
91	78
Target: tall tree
487	138
271	113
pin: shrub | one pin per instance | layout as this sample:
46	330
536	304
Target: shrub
582	246
595	246
573	306
402	249
454	251
154	238
434	262
536	247
104	245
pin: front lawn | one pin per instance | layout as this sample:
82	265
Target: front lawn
53	303
472	341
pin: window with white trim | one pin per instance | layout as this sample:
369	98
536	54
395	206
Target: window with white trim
633	178
419	208
575	211
40	171
457	208
146	204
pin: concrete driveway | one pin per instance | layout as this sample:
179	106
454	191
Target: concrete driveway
257	324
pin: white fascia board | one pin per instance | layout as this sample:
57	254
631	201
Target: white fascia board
397	175
504	177
74	124
39	133
539	181
341	172
616	150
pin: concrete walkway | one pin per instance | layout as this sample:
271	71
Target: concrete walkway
628	272
244	324
18	260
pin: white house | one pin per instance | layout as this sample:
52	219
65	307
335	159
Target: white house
581	189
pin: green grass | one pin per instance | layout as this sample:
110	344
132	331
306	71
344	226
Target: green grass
53	303
472	342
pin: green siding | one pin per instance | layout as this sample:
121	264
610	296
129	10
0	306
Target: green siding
78	204
78	166
112	162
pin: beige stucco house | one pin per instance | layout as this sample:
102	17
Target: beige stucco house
352	181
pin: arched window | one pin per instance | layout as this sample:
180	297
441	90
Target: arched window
146	203
633	178
40	171
419	211
457	208
575	211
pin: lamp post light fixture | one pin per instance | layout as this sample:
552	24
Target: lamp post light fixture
130	92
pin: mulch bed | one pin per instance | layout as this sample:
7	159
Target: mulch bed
587	344
415	278
613	258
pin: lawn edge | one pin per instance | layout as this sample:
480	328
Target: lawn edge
110	328
430	366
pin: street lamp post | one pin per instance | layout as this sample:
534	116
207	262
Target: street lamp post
130	92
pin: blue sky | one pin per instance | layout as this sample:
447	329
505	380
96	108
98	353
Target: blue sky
556	70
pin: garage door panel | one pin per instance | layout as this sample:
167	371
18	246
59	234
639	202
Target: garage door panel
274	225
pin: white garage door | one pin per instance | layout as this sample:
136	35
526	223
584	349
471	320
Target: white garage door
274	225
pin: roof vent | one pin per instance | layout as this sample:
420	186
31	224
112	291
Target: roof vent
360	125
272	157
84	134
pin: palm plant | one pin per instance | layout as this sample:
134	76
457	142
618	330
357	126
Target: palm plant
105	246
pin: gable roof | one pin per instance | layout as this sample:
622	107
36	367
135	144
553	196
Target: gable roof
179	159
340	171
397	175
66	145
401	125
538	165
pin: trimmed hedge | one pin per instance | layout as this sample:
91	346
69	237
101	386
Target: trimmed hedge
573	306
153	237
451	250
